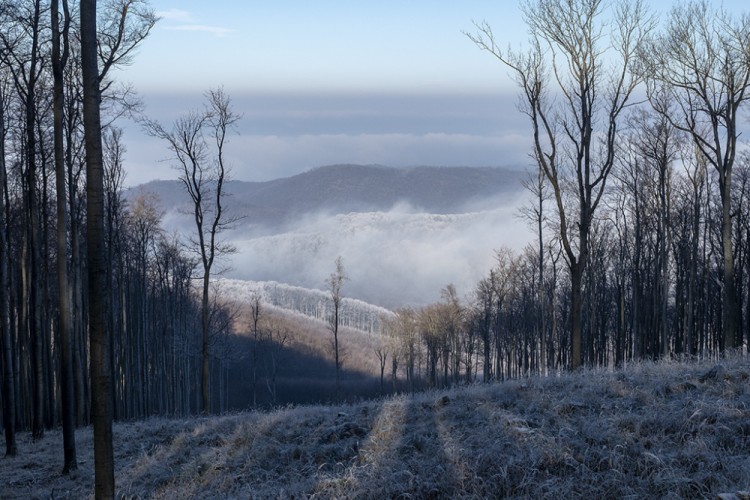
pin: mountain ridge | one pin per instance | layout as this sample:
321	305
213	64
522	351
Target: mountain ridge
344	188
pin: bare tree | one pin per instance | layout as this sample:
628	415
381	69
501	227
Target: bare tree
123	24
504	278
703	60
381	351
255	316
696	174
335	282
204	174
535	213
431	331
574	136
276	336
389	328
485	298
453	322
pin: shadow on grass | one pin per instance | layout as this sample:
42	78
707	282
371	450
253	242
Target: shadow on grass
303	376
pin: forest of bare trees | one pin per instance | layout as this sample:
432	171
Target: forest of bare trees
150	333
639	206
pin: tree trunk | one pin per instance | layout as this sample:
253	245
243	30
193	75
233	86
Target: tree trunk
486	351
9	380
336	349
65	324
729	306
99	338
663	262
576	311
205	373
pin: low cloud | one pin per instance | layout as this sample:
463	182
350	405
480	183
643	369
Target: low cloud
394	258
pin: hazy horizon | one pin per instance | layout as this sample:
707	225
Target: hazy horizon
285	134
391	83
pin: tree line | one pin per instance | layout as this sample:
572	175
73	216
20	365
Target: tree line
151	358
639	201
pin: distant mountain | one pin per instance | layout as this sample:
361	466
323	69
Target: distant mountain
356	188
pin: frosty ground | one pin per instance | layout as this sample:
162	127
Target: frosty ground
664	430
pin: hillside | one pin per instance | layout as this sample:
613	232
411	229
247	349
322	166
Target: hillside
292	359
312	303
355	188
679	430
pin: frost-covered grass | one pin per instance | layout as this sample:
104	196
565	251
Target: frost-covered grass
664	430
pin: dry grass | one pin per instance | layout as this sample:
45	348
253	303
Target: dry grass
656	430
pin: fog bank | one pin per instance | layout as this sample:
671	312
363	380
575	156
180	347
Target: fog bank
395	258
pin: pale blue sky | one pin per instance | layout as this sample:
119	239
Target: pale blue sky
318	82
322	45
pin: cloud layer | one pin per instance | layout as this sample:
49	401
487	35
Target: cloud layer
283	135
394	258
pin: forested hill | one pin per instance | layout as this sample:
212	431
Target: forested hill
308	302
358	188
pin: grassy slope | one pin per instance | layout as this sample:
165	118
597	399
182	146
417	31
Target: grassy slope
655	430
306	373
